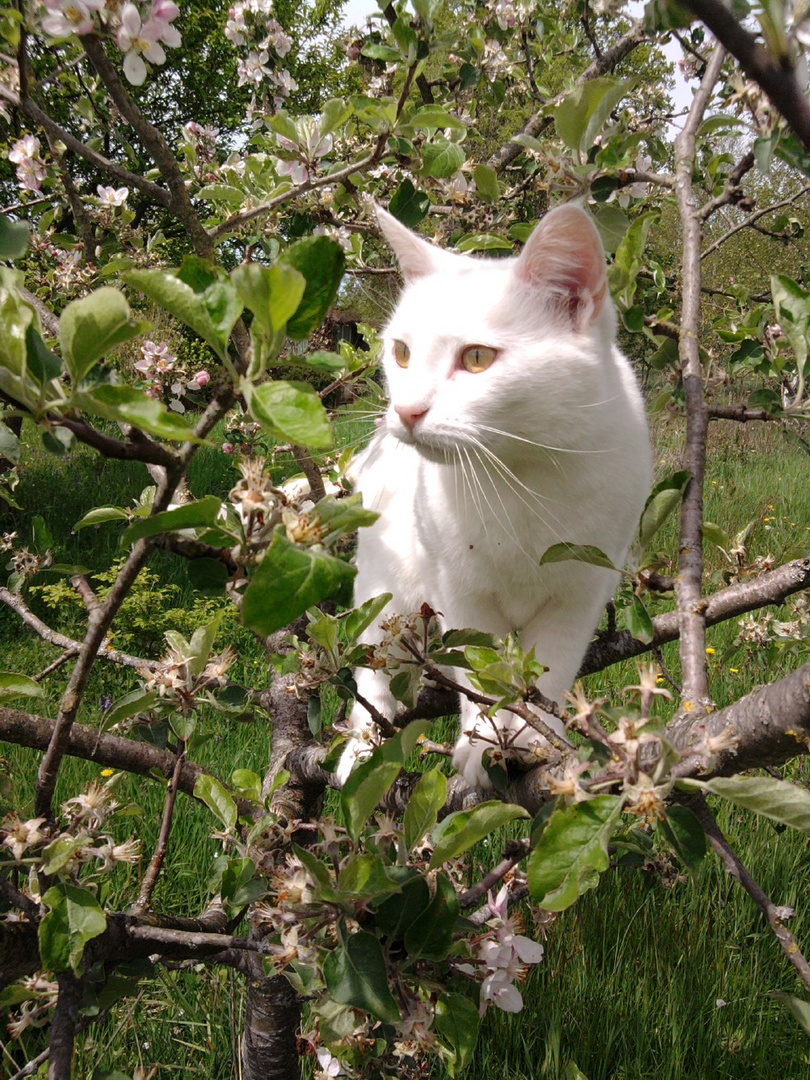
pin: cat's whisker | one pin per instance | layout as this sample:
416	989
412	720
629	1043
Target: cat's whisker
503	520
544	446
541	512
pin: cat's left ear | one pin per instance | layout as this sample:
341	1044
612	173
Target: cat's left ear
564	256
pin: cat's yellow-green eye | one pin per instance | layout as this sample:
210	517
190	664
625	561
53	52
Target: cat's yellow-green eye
402	353
477	358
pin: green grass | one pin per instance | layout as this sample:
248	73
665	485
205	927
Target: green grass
629	986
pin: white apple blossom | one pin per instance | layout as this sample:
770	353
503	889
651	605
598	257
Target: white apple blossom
137	39
109	196
67	17
30	168
253	68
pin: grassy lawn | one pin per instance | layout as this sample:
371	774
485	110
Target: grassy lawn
650	976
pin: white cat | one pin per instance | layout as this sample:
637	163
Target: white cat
514	423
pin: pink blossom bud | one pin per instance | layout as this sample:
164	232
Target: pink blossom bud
202	379
227	448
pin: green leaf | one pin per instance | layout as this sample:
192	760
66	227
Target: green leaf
289	580
363	877
129	705
59	852
99	515
457	1021
482	242
248	784
13	685
91	327
355	974
196	296
441	159
778	800
272	293
612	224
232	196
9	444
663	499
189	516
291	411
217	798
409	205
792	304
431	936
13	238
321	261
486	183
572	851
371	779
362	617
126	404
458	832
583	113
41	535
800	1009
399	912
433	117
74	919
685	835
314	719
42	363
637	620
579	553
716	536
333	114
208	576
422	811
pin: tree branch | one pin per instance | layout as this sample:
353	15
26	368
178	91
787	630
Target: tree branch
543	119
777	79
736	869
771	588
61	641
30	109
154	143
753	217
109	751
690	564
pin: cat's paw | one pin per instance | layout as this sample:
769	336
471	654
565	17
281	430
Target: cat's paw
469	764
356	749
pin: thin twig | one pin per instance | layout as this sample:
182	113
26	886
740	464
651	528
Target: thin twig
156	862
516	850
753	217
736	869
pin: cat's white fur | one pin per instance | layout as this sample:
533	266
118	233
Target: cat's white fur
475	476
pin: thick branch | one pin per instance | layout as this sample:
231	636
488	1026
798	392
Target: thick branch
63	1028
109	751
771	588
777	79
155	144
737	412
145	449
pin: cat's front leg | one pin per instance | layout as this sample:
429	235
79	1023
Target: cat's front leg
363	732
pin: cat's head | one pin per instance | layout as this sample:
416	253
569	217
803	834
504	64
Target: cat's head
478	347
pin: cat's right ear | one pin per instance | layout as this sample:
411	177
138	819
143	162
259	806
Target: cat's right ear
416	257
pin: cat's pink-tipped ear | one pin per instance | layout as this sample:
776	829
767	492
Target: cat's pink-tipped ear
416	257
564	255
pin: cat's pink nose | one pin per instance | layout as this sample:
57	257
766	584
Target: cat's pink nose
409	414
